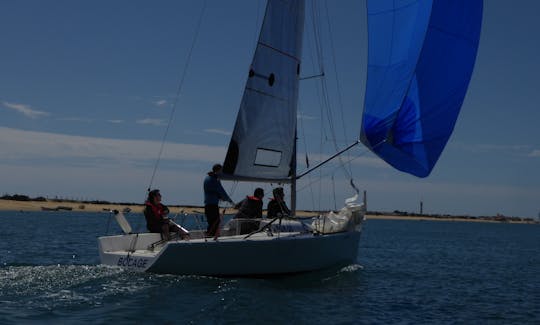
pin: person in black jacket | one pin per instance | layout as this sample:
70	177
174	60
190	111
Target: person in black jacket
277	206
250	208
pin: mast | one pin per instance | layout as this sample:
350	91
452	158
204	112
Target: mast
293	177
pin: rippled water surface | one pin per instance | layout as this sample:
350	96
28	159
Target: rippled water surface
407	272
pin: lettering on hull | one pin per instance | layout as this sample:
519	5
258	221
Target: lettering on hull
132	262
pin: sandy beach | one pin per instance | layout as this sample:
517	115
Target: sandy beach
26	206
11	205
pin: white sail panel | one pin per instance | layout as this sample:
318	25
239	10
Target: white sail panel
263	140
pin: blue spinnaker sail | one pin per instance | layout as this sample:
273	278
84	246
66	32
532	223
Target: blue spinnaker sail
421	57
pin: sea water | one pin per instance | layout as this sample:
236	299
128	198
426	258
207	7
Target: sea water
407	272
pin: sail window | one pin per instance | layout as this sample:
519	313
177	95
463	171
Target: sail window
267	157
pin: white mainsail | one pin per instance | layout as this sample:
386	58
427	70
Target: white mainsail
262	146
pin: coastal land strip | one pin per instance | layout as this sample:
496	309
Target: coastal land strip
105	207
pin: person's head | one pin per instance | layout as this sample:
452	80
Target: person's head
154	196
217	168
259	193
278	193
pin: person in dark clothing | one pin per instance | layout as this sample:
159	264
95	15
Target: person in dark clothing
156	215
213	193
250	208
277	206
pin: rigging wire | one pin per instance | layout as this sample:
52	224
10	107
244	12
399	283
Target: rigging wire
178	91
305	149
256	29
346	167
322	90
334	192
338	85
232	189
315	14
362	153
328	132
299	189
312	61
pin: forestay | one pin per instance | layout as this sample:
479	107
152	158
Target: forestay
421	56
263	142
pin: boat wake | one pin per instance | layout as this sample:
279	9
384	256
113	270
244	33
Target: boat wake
50	281
351	268
42	292
343	272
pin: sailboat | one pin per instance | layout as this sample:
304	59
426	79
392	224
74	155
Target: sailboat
420	60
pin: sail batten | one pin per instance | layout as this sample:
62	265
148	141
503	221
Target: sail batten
262	143
421	57
266	94
279	51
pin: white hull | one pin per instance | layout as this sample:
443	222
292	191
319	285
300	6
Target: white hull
288	246
259	254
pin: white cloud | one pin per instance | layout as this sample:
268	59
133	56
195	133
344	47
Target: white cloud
25	109
75	119
305	117
115	121
495	147
112	169
217	131
486	148
534	153
19	145
29	145
161	102
152	121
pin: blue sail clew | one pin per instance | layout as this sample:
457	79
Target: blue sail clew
420	60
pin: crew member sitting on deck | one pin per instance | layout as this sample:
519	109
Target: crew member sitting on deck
277	206
156	217
250	208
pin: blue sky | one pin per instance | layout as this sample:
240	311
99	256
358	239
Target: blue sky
86	88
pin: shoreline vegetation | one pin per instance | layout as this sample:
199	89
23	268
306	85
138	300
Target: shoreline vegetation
23	203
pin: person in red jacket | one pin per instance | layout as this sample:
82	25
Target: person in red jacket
157	219
250	208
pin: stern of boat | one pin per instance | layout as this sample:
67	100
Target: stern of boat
130	251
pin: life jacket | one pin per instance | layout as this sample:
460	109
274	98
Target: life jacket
250	207
158	211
